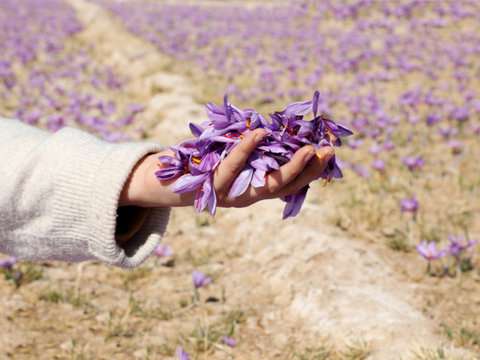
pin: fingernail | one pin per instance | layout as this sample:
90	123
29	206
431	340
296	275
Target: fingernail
260	136
309	156
328	156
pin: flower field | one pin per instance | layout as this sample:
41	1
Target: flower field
382	263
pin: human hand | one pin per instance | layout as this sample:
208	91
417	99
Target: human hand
144	189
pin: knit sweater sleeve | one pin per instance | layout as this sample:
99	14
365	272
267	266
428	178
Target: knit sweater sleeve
59	197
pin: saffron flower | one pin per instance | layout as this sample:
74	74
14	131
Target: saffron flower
458	244
8	263
355	144
164	251
196	160
389	145
409	205
200	279
429	250
230	341
378	164
456	145
182	355
413	162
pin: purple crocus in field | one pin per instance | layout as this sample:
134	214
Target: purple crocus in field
375	149
429	250
378	164
475	128
362	171
389	145
413	162
409	205
355	143
8	263
456	145
458	244
199	280
230	341
164	251
182	355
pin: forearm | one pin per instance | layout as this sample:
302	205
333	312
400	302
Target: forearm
59	196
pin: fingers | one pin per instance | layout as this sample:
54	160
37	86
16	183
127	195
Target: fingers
310	173
233	164
291	177
332	138
287	173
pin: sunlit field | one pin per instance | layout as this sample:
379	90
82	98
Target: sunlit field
400	227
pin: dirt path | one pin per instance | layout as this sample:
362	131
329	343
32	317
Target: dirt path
305	280
170	105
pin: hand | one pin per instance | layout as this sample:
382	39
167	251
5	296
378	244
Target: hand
144	189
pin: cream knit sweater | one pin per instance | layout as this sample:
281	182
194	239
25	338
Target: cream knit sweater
59	197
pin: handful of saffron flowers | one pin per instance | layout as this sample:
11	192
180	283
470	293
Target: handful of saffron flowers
196	160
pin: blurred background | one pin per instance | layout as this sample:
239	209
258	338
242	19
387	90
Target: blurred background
359	273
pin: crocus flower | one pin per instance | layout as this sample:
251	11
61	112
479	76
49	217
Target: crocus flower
182	355
196	160
458	244
413	162
475	128
8	263
378	164
355	143
409	205
429	250
164	251
456	145
230	341
362	171
389	145
375	149
200	279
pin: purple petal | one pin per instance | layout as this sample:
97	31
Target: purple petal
297	108
196	129
259	178
316	96
241	182
188	183
165	159
293	207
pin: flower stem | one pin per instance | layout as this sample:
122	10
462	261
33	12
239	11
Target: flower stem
195	296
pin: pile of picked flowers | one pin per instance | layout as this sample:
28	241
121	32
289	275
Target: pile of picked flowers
196	160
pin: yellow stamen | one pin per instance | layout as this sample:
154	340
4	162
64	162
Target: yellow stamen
326	182
318	154
241	136
196	160
249	121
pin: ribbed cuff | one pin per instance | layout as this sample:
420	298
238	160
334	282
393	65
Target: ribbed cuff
92	182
